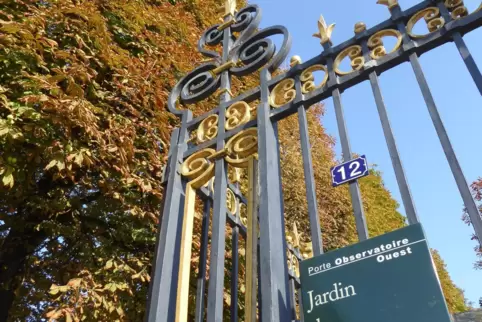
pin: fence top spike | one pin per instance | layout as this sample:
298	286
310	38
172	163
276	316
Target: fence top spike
324	31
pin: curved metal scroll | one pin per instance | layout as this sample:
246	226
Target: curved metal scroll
251	51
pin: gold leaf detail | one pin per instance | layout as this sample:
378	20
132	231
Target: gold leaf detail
208	129
295	60
231	201
237	114
356	58
198	169
324	31
308	79
432	18
389	3
241	147
376	42
360	27
283	93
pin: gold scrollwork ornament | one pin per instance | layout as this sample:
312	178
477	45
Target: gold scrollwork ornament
283	93
198	169
231	201
457	8
208	129
376	43
432	18
237	114
241	147
308	79
356	58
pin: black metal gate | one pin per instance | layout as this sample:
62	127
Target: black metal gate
243	136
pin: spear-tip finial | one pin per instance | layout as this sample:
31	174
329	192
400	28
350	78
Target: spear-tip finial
325	31
296	241
389	3
230	6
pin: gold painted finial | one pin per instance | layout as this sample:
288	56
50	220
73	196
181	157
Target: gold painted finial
295	60
325	31
360	27
296	235
389	3
230	6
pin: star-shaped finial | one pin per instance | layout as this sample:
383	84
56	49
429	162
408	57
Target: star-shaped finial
325	31
389	3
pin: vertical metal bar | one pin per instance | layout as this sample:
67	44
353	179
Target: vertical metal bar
361	222
161	304
468	60
274	271
391	144
216	272
393	150
234	272
252	241
201	280
463	49
316	238
457	172
293	298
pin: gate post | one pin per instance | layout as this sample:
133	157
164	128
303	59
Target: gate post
273	264
161	302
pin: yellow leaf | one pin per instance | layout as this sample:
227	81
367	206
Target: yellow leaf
108	265
75	282
7	179
68	317
51	164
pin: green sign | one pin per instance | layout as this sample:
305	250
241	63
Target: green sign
390	278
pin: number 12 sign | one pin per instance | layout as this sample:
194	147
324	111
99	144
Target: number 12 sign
349	171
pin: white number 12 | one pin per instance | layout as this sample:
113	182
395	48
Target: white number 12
354	166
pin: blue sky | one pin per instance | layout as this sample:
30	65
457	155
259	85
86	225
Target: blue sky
435	194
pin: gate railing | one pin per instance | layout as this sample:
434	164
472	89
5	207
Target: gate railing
239	134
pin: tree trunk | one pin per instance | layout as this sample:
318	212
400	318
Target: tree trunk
18	245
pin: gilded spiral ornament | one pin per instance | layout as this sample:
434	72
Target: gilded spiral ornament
207	129
237	114
308	79
241	147
432	18
457	8
198	169
283	93
231	201
356	58
375	43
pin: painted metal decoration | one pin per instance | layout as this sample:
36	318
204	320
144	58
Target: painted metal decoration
349	171
210	155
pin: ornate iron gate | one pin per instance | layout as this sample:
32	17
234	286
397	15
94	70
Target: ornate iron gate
241	135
